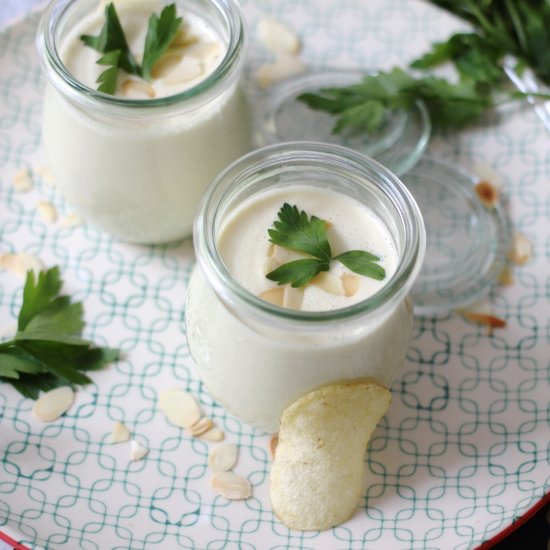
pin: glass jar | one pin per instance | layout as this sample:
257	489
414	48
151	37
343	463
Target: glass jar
256	358
138	167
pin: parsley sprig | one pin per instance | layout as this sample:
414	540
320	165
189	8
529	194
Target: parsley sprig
297	231
501	29
111	42
48	350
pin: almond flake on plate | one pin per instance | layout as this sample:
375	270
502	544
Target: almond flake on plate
179	407
283	68
223	457
201	426
213	434
506	276
487	193
22	181
231	485
70	221
277	37
21	263
138	451
490	321
521	251
46	174
53	404
47	211
120	433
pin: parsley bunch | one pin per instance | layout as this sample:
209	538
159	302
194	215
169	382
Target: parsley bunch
48	350
112	42
296	231
502	28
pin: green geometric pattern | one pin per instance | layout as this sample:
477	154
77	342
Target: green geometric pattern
464	449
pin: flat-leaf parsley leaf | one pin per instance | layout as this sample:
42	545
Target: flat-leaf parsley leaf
48	350
112	43
297	231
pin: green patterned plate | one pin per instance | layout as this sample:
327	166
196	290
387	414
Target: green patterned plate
464	448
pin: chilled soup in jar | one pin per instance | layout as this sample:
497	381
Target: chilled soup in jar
137	162
257	354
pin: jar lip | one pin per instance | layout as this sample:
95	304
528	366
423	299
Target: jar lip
279	154
49	57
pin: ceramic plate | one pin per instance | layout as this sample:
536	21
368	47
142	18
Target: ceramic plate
463	450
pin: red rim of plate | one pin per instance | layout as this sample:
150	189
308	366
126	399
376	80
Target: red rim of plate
14	543
499	537
521	520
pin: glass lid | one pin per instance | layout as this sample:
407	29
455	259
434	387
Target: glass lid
466	244
281	117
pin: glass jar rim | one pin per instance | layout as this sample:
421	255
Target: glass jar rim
238	173
49	57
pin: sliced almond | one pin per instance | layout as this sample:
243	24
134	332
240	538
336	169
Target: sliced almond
53	404
46	174
223	457
521	251
183	39
231	485
167	63
186	70
487	193
120	433
274	296
138	451
490	321
506	276
277	37
21	263
350	282
330	283
47	211
271	264
137	89
284	255
22	181
214	434
273	442
284	67
201	426
179	407
293	297
205	52
70	221
486	173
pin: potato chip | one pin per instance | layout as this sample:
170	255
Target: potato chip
317	475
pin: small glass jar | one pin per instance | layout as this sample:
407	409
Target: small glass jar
256	358
138	167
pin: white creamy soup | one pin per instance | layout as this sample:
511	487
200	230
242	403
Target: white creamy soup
138	167
257	369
